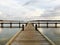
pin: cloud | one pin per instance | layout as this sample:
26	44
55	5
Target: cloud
52	14
13	9
43	3
0	13
28	8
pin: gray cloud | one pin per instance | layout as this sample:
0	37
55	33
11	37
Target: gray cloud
52	14
28	8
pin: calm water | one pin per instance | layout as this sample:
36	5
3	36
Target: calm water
6	34
52	33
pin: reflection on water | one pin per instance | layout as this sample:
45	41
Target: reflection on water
52	33
0	30
6	34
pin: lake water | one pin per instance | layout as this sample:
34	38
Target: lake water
52	33
6	34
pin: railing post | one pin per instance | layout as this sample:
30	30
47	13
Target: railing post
55	25
47	24
10	25
22	27
36	27
19	24
1	25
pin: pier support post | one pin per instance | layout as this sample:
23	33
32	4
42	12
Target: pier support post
22	27
55	25
1	25
10	25
36	27
47	24
19	24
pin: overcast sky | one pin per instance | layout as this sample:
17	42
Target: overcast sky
35	9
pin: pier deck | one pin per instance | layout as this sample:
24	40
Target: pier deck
29	36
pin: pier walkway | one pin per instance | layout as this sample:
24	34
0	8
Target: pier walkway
29	36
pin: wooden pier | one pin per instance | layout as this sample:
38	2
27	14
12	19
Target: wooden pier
29	36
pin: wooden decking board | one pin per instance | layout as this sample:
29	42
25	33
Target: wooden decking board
30	37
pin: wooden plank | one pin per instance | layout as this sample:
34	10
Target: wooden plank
29	37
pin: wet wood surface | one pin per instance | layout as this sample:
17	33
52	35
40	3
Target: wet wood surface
30	37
